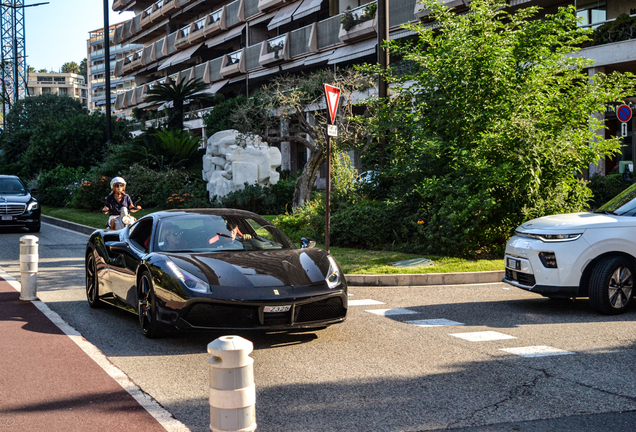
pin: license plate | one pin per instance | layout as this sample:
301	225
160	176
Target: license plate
7	218
514	264
277	308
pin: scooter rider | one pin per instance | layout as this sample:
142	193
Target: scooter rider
118	199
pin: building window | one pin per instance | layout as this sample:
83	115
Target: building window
45	79
46	90
592	15
63	91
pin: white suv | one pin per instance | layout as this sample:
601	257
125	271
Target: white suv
579	255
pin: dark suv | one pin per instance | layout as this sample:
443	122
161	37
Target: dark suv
17	207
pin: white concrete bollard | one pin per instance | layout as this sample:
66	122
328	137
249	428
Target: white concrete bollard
29	267
232	390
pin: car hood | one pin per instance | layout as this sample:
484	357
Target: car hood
575	222
263	269
22	199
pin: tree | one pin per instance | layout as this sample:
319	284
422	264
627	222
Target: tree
493	122
83	69
31	69
289	106
43	70
175	96
70	67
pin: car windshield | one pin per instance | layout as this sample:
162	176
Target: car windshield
623	204
11	186
212	233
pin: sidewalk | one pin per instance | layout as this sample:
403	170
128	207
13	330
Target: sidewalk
52	379
415	279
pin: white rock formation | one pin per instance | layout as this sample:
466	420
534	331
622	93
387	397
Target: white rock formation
229	164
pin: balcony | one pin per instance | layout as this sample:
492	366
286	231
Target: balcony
266	5
233	63
274	51
169	6
358	23
132	61
182	37
215	22
420	12
120	5
146	14
196	31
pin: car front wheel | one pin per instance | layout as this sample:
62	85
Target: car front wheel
612	285
92	283
147	308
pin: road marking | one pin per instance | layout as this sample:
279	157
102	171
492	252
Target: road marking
365	302
163	417
390	312
536	351
438	322
482	336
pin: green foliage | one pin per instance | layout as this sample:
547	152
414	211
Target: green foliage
176	94
620	29
343	177
89	194
492	124
56	186
220	118
263	200
307	221
604	188
158	149
152	188
70	67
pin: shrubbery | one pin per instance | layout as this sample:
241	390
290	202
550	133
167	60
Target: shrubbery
263	200
605	188
55	187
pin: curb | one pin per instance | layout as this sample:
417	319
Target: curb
84	229
414	279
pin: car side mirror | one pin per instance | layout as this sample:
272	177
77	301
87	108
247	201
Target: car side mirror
306	243
117	247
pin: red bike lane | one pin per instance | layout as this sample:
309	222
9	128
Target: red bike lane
49	383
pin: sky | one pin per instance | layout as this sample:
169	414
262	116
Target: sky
57	32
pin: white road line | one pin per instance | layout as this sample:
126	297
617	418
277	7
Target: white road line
66	229
438	322
163	417
536	351
365	302
390	312
483	336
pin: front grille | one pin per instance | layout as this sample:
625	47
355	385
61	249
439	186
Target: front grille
220	316
12	209
523	278
322	310
277	318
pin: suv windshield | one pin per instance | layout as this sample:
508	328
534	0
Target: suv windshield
623	204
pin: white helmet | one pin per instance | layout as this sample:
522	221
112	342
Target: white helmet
117	180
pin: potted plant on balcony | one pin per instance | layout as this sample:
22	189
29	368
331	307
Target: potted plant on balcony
358	23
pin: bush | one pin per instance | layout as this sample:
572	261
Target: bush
150	188
91	192
306	221
263	200
56	186
604	188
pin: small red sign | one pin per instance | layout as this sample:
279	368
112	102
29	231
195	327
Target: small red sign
624	113
332	94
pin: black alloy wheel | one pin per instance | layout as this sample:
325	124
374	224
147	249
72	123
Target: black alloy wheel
147	307
92	283
612	285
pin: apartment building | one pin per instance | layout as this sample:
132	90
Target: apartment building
236	46
96	66
68	84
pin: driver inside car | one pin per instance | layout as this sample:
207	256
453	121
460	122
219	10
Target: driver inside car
234	233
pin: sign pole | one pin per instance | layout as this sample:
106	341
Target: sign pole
332	95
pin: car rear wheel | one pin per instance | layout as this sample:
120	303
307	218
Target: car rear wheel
147	308
612	285
92	283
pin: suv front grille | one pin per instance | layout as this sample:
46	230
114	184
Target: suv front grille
12	209
523	278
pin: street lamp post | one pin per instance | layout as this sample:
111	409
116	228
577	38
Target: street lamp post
107	69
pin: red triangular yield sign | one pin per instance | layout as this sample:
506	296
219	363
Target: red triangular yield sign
332	94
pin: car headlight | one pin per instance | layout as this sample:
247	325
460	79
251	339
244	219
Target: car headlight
551	237
333	278
32	206
189	280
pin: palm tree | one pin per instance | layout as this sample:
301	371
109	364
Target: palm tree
178	94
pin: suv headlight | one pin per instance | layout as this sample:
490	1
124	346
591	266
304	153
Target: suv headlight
33	205
189	280
333	278
548	238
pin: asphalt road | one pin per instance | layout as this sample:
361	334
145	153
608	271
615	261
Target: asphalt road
381	371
